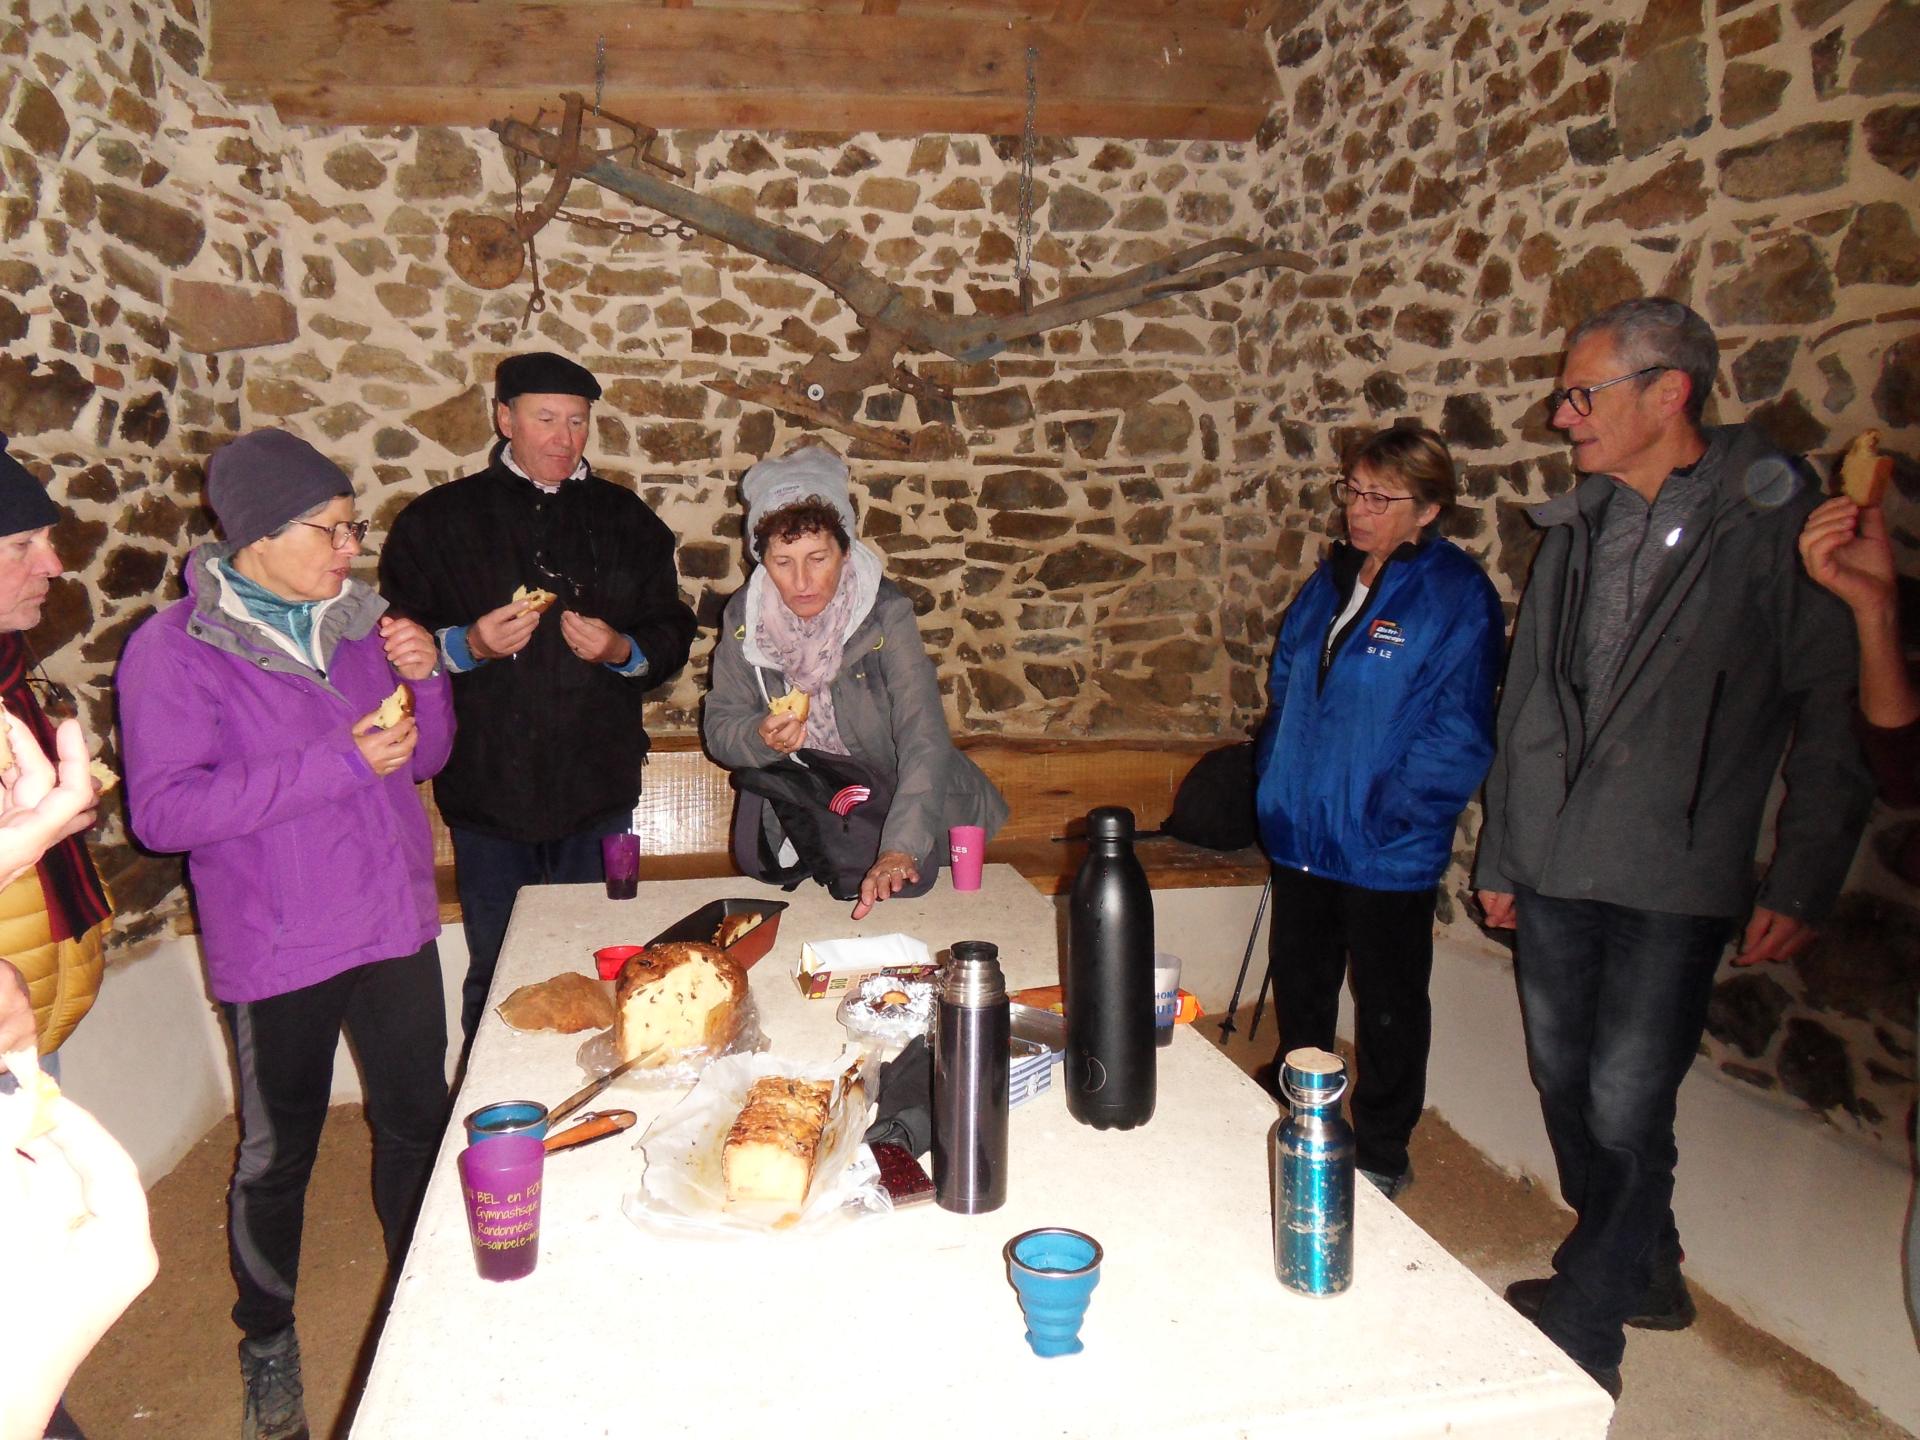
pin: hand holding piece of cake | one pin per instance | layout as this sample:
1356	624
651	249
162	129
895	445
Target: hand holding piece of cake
1864	472
395	708
793	703
538	601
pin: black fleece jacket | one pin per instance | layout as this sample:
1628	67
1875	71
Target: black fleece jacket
547	744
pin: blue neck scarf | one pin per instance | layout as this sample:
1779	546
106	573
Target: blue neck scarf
292	618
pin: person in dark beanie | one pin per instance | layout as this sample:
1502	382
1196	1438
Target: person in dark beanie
54	918
549	689
256	740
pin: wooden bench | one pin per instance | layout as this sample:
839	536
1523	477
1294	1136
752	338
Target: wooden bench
686	812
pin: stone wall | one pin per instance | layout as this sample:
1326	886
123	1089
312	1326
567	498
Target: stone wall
1105	535
1476	178
189	268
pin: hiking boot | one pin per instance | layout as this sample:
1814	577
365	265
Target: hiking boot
276	1401
1667	1304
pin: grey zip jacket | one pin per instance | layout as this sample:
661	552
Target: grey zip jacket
886	700
1731	652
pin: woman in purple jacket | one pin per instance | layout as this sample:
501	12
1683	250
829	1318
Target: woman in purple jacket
250	741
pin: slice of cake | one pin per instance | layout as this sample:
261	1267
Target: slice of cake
1864	471
775	1141
676	997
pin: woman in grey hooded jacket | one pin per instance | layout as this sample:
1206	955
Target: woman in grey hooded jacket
818	617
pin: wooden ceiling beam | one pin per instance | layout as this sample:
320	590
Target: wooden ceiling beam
341	62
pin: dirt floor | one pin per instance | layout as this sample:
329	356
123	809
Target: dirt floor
169	1369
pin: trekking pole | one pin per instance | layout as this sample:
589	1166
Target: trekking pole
1226	1021
1259	1002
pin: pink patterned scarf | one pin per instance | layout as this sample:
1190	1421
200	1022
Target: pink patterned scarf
808	652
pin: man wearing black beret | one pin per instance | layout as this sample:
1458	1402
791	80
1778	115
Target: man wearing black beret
546	691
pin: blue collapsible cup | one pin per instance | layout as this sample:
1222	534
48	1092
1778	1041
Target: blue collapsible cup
507	1117
1054	1272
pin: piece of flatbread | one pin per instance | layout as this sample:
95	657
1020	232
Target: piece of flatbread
103	775
537	601
395	708
568	1003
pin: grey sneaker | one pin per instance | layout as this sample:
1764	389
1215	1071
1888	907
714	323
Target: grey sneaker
276	1400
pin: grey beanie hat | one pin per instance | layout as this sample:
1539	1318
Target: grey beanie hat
811	473
259	482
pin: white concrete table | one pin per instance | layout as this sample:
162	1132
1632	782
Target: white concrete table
905	1324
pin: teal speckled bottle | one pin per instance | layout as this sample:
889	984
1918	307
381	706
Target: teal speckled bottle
1311	1152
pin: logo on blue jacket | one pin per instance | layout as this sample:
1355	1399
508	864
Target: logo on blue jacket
1383	636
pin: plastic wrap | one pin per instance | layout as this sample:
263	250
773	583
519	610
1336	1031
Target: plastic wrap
683	1191
597	1055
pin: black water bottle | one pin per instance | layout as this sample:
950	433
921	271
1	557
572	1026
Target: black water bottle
1110	1051
971	1081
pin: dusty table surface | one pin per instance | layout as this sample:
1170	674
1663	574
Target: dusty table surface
907	1320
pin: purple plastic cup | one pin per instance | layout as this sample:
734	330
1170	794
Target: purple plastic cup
968	850
501	1180
620	856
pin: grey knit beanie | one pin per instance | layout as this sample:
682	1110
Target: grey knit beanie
811	473
259	482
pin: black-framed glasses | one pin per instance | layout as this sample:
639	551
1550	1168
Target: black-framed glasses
1580	397
1346	493
341	531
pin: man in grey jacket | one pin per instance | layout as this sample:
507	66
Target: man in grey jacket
1668	645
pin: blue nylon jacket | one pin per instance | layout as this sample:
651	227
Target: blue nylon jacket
1361	773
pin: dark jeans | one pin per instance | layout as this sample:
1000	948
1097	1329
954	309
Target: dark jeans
1317	925
1614	1000
488	872
394	1015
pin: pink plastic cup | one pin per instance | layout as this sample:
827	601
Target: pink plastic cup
968	851
501	1179
620	858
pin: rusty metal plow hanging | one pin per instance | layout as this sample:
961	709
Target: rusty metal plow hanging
827	389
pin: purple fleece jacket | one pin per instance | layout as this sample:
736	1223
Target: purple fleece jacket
304	863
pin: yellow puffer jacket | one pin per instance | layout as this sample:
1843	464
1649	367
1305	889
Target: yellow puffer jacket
62	976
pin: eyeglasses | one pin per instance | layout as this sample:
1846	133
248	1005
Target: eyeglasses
1580	397
1373	500
340	531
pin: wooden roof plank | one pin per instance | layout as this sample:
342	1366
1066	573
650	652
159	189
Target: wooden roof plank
331	63
769	111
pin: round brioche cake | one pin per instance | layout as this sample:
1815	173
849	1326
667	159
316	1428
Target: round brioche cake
668	999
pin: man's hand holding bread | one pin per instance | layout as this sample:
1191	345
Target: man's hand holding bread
1845	545
503	632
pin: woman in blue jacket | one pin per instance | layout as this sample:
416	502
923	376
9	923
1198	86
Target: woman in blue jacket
1380	729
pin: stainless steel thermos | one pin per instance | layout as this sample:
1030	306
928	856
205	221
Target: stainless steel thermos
1109	992
1311	1151
970	1081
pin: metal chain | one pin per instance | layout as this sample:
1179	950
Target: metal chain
659	229
1029	142
537	300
